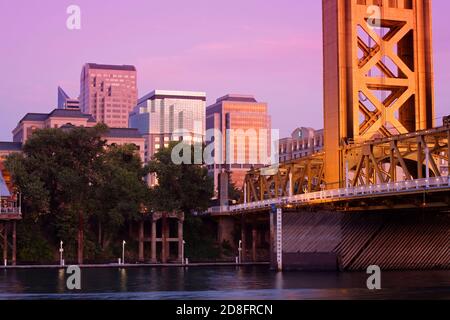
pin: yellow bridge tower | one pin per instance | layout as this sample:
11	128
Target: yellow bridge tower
378	74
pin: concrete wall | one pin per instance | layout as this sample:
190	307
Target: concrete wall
324	240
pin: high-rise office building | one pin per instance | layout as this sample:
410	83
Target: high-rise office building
245	127
163	116
108	93
66	102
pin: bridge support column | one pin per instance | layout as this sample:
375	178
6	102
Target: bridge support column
272	239
254	238
14	245
165	235
141	241
225	231
243	238
5	242
180	241
153	245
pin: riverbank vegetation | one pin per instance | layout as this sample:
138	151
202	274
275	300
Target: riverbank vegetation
79	190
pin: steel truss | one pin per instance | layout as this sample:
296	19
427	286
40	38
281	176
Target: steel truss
411	156
295	177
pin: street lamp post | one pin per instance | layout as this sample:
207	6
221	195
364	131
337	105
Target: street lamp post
61	251
123	251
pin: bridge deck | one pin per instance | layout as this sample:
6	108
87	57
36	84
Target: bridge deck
410	187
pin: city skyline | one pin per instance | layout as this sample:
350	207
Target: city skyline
295	150
212	48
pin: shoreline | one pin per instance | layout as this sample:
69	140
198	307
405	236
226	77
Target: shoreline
141	265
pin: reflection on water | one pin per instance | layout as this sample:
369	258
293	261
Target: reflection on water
123	279
219	283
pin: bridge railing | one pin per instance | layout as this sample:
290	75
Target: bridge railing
218	209
345	193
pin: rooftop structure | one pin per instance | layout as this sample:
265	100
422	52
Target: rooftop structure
66	102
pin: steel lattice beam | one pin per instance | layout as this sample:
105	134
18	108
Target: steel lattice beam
378	74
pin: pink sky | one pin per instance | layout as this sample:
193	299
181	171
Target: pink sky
271	49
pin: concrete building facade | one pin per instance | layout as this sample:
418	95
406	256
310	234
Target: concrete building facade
64	118
238	117
55	119
163	116
303	142
108	93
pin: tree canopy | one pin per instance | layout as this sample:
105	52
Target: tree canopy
185	187
78	189
73	183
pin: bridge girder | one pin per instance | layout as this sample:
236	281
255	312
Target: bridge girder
290	178
398	158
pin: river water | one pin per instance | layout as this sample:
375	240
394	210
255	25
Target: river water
227	283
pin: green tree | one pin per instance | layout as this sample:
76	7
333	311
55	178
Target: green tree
56	173
119	194
187	188
73	183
